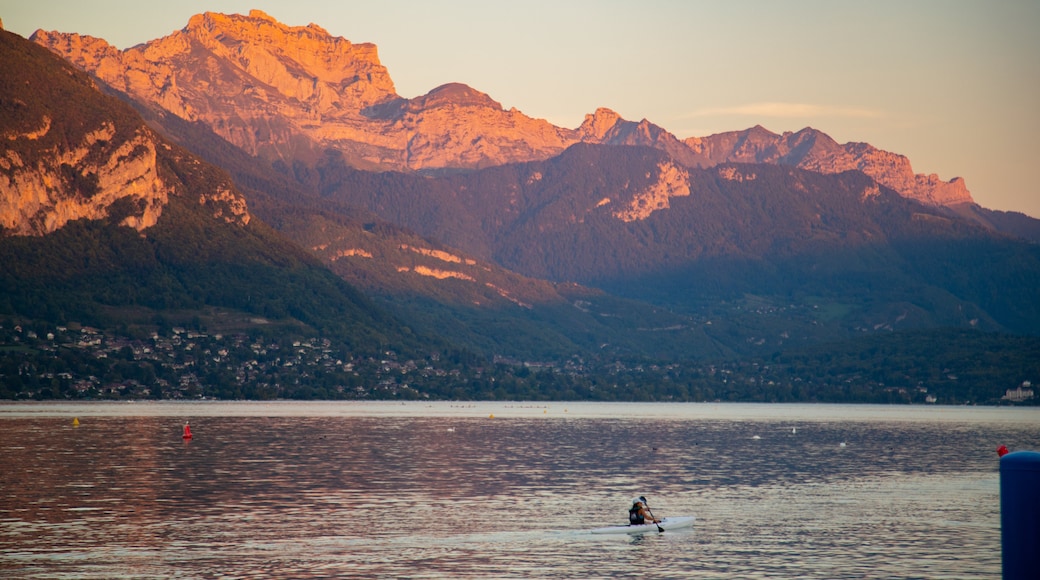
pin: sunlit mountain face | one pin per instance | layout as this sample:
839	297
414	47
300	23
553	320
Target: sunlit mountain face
289	93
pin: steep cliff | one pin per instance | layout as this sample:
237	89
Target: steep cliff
62	155
68	152
606	127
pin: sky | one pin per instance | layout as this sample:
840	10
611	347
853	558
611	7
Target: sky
952	84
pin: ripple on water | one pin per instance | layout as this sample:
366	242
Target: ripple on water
317	496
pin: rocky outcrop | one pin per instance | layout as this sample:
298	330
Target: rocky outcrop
455	126
672	181
815	151
82	181
440	255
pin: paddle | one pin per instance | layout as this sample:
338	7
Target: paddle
643	499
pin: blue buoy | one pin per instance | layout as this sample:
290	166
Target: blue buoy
1020	514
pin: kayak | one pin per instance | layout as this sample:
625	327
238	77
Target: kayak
666	524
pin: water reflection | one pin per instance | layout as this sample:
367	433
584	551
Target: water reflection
303	496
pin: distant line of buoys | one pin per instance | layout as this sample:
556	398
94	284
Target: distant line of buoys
187	431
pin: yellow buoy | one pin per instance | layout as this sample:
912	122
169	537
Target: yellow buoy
75	421
492	416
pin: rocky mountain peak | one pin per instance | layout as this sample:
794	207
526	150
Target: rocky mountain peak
607	127
596	126
84	51
455	94
297	60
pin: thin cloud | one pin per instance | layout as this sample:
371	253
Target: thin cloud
786	111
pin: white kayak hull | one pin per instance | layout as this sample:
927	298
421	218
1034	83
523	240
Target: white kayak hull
666	524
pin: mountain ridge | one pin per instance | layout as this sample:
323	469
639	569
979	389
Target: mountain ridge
816	151
438	288
631	221
361	115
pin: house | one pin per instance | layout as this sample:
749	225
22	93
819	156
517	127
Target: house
1021	393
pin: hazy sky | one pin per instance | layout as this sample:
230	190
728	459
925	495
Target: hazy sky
954	85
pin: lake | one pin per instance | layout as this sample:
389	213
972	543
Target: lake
501	490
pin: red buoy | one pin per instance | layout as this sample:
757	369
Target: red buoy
187	432
1002	451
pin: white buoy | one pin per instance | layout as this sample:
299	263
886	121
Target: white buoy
794	429
756	437
842	444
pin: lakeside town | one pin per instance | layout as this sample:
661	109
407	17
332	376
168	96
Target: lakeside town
77	362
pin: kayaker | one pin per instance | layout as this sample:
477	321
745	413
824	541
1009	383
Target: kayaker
638	515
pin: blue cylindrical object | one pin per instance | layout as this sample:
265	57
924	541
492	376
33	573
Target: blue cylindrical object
1020	515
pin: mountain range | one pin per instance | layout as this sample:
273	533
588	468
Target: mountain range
102	215
448	220
288	93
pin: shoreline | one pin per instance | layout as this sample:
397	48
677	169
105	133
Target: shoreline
815	412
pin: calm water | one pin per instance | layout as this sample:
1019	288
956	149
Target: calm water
434	491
